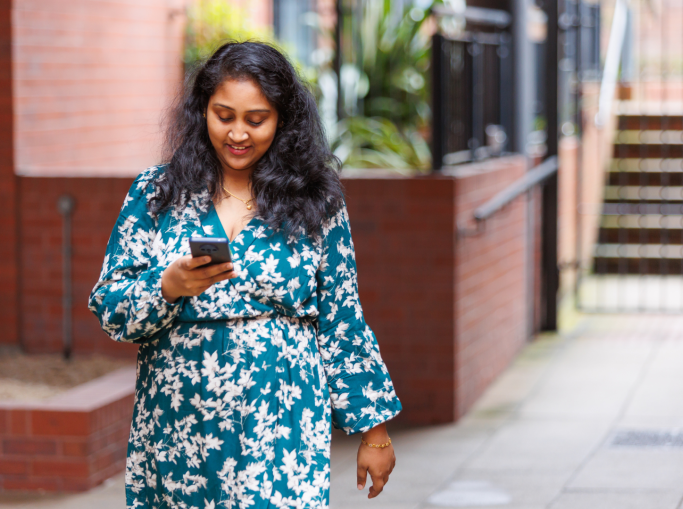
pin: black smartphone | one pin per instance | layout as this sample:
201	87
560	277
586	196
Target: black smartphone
215	247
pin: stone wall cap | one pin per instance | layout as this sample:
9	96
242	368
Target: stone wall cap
447	172
85	397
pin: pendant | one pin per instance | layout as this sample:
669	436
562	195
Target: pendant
248	207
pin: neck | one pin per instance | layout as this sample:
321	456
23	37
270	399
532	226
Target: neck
237	181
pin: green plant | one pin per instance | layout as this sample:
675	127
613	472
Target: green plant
395	57
213	22
393	114
376	142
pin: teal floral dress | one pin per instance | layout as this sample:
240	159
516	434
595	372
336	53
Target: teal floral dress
237	389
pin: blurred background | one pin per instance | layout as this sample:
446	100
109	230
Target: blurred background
514	176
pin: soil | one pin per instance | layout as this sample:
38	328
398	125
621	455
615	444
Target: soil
35	377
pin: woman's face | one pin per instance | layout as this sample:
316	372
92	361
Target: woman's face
241	122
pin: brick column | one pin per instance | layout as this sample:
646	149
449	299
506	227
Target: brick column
8	187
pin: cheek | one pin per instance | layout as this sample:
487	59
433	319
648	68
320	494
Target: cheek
266	138
215	132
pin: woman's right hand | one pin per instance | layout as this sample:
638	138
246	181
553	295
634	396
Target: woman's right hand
186	277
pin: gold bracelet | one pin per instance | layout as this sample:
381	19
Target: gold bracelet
379	446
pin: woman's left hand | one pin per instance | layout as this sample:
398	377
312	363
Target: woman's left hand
379	463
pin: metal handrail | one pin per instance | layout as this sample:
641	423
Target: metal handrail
611	69
530	179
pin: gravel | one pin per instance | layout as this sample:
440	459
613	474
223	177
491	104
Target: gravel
36	377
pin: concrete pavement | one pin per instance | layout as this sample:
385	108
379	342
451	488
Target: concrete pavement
587	420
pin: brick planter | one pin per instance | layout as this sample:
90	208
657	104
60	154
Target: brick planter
449	311
70	442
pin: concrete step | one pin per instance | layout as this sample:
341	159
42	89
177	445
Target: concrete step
642	221
647	151
638	165
633	266
642	208
624	194
644	178
653	137
650	122
640	236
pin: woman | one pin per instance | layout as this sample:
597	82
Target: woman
243	366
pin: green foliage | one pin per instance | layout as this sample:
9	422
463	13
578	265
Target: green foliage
393	91
376	142
214	22
395	60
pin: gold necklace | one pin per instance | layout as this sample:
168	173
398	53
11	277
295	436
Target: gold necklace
240	199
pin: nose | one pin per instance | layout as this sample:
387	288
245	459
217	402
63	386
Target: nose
238	135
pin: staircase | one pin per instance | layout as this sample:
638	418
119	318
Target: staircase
641	229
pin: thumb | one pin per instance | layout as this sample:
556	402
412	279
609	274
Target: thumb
361	476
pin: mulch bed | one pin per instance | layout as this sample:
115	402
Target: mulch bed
35	377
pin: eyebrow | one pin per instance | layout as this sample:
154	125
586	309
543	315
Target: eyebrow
233	109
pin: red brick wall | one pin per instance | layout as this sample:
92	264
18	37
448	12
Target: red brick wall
490	270
8	204
91	79
98	201
72	442
403	235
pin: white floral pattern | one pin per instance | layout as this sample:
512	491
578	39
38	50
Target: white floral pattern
237	389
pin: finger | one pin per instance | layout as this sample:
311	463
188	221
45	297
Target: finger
221	277
196	284
361	477
377	485
211	271
192	263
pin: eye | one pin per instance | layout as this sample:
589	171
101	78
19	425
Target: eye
256	123
225	119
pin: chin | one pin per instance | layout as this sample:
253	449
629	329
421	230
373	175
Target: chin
239	165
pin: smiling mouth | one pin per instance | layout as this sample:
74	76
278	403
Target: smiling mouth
238	150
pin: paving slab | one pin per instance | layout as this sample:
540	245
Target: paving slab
624	500
511	489
110	495
541	445
632	468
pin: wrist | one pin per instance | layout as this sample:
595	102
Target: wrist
168	296
378	434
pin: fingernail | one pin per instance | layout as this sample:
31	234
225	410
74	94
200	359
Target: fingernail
360	486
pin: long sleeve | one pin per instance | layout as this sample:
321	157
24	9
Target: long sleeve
127	298
362	394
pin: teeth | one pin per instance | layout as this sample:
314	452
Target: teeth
237	148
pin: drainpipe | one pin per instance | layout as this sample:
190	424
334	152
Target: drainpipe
66	205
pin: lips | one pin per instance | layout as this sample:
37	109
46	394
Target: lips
238	150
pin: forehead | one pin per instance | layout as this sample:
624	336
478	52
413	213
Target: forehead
242	94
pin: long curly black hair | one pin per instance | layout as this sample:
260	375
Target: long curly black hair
295	184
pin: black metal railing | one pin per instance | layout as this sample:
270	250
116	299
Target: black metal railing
472	89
